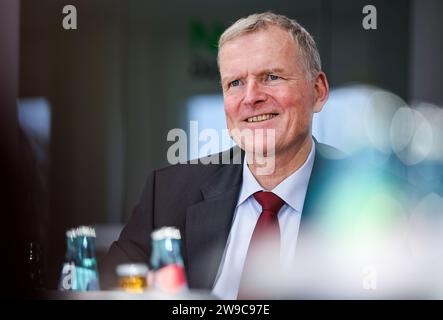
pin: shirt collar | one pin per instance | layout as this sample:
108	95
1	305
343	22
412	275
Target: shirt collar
292	189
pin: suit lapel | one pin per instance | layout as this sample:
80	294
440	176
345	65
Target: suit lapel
208	224
329	165
313	191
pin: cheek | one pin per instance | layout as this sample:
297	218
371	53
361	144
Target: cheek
288	96
299	111
231	109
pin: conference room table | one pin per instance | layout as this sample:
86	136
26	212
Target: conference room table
122	295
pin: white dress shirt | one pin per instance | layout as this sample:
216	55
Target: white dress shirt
293	191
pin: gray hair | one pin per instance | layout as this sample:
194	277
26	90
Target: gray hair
260	21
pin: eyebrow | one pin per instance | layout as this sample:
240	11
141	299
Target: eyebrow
266	71
273	70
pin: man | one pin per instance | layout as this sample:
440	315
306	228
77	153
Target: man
272	83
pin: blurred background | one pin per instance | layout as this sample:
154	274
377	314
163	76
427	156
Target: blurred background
85	113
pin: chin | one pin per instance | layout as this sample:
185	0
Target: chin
259	149
261	142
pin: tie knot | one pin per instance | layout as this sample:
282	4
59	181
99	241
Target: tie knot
269	201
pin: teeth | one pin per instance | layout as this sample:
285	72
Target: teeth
261	117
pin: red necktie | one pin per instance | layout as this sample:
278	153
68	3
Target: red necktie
266	232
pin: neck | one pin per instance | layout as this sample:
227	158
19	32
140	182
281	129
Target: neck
286	163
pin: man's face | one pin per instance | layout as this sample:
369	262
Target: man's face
265	86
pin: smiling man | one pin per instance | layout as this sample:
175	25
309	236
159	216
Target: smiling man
272	79
272	85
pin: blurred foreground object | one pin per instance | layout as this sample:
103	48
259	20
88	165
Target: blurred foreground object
370	236
79	271
167	262
132	277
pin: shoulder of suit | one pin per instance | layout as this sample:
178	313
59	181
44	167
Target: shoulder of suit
329	152
204	166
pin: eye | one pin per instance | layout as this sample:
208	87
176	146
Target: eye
273	77
234	83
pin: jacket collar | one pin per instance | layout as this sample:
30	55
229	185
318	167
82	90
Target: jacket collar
208	223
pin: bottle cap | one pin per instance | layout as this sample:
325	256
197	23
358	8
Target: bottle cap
132	269
82	231
166	232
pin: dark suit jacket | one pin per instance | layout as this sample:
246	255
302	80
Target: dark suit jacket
199	200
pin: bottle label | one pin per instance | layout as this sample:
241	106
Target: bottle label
170	279
75	278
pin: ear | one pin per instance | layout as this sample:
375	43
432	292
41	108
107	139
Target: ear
321	88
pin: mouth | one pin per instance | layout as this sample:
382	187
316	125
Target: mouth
262	117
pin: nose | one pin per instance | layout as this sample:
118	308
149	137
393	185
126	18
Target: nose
254	93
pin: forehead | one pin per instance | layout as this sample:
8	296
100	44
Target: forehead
272	47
